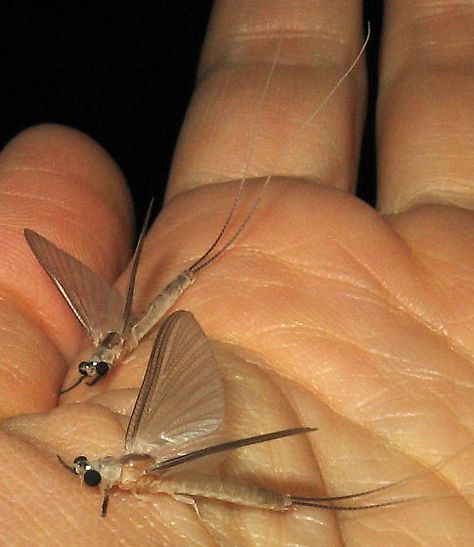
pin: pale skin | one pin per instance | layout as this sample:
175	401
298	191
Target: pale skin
353	320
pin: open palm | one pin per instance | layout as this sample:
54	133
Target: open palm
325	313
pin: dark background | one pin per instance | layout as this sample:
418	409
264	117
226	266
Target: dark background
122	73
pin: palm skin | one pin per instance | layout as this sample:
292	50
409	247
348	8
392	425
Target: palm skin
324	313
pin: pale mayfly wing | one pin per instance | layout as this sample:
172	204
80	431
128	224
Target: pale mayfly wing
103	312
178	422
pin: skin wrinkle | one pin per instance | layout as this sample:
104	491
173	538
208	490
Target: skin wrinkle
421	59
366	427
426	468
58	176
441	284
66	215
432	194
418	58
255	39
453	343
26	195
243	248
438	256
339	339
56	173
15	300
303	386
459	349
265	35
276	385
292	267
182	224
439	10
377	372
31	521
327	335
252	130
389	381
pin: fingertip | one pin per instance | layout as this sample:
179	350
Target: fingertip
61	150
61	183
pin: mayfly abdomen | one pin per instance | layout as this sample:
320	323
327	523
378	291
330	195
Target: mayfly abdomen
197	485
158	307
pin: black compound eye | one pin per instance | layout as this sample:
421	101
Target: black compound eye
101	368
80	461
92	477
84	368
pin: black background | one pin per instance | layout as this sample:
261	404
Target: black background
123	73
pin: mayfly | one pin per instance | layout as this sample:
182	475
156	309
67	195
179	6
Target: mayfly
177	418
103	312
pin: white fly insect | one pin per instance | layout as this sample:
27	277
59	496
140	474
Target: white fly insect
103	312
167	431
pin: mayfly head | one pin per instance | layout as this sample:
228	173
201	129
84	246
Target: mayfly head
104	473
101	362
89	369
82	467
88	471
94	369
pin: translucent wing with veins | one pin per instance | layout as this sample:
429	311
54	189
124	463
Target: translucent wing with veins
105	315
180	407
97	305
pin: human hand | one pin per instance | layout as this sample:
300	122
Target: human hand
335	315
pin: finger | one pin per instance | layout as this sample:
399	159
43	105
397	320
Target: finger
227	131
57	181
425	111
